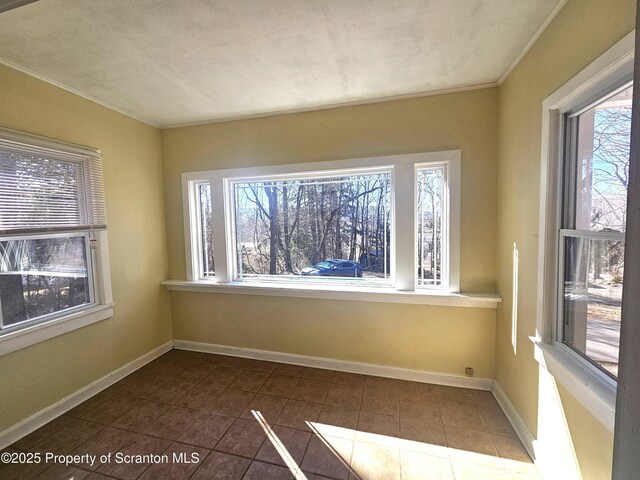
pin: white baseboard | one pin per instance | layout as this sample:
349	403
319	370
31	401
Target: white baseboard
340	365
37	420
515	419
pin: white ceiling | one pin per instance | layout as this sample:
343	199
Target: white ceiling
173	62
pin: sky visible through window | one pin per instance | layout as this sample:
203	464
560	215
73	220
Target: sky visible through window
604	141
594	265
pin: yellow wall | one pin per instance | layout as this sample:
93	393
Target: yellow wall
420	337
498	131
38	376
438	339
582	31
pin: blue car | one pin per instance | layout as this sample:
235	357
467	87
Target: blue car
334	268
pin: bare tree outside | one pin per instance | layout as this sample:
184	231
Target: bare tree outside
610	167
283	227
430	239
206	229
594	265
42	276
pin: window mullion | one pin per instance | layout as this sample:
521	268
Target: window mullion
220	212
192	247
104	293
452	199
405	219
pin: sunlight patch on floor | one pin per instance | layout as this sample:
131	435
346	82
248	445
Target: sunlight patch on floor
280	448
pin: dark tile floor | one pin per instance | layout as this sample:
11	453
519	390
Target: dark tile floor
197	416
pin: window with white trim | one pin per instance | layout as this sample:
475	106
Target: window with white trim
313	227
584	160
594	201
53	252
327	223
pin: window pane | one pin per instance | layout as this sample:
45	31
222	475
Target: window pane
592	299
39	192
206	233
42	276
303	228
604	134
430	241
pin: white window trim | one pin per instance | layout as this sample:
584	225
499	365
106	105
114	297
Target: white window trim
341	292
102	306
404	218
44	331
230	215
591	387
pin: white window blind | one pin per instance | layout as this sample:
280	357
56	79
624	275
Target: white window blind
48	186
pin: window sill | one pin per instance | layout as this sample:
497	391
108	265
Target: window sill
340	292
595	392
44	331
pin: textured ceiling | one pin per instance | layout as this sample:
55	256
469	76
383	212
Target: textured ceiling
171	62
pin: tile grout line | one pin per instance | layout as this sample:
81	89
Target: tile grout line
227	386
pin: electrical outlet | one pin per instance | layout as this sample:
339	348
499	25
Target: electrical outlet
468	371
